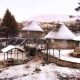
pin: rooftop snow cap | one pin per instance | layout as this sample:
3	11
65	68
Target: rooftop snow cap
33	27
62	33
77	38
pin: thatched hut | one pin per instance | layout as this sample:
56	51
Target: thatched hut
32	31
63	38
77	41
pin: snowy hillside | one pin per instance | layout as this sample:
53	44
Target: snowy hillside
51	18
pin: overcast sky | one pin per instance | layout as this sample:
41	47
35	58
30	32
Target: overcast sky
24	9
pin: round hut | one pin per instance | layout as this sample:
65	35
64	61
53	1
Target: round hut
32	33
77	41
63	38
33	30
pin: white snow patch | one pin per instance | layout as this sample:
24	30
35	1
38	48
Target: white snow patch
64	54
63	33
33	27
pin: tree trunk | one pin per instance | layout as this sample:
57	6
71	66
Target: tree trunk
6	41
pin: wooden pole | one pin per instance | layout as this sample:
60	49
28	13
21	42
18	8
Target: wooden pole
11	53
4	56
22	55
7	55
41	46
47	53
53	51
47	49
59	53
1	41
17	54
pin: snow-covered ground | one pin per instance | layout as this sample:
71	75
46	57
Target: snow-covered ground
29	71
47	72
64	54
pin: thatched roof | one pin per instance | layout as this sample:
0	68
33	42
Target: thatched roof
10	47
33	27
77	38
62	33
7	48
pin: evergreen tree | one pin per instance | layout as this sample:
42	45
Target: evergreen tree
10	23
78	8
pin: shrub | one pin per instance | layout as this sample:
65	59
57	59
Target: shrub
37	70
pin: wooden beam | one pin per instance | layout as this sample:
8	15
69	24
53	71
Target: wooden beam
17	54
11	53
4	56
22	55
53	51
59	53
7	55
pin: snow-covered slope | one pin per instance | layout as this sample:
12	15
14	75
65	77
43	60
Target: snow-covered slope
47	72
51	18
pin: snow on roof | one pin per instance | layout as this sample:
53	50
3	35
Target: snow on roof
10	47
19	48
33	27
7	48
50	35
77	38
63	33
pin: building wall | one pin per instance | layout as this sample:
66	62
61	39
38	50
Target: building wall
28	34
64	44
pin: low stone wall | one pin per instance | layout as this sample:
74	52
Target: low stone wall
63	63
